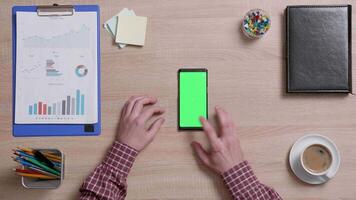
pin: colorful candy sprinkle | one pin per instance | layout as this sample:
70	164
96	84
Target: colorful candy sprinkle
256	23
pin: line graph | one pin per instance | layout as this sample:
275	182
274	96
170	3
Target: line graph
71	39
31	69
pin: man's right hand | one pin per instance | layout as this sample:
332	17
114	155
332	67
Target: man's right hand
133	122
225	150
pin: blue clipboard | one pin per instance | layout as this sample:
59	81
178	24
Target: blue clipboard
30	130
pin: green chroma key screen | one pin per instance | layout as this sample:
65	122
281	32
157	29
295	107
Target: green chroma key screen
192	97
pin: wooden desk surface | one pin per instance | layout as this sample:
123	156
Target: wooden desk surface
246	77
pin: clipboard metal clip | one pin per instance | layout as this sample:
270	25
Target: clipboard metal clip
55	10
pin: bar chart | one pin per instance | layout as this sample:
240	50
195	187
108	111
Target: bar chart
70	105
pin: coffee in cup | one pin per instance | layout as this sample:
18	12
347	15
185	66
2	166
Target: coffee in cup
316	159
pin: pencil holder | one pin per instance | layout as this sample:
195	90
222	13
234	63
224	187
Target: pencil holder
31	183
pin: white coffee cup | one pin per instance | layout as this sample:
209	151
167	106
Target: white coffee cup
322	150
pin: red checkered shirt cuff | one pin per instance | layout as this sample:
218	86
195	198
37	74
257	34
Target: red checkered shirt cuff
240	178
121	157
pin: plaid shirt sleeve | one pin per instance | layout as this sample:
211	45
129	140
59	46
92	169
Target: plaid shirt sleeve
108	180
243	184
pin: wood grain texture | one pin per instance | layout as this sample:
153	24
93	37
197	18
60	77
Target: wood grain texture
246	77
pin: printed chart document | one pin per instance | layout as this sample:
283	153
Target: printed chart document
56	69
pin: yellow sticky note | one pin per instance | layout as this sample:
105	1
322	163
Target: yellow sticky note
131	30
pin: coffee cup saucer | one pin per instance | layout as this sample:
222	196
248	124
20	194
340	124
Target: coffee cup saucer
296	151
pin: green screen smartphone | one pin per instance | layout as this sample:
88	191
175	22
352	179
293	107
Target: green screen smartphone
192	98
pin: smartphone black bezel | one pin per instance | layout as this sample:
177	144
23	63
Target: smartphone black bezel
178	102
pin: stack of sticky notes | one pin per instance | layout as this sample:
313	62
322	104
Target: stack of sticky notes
127	29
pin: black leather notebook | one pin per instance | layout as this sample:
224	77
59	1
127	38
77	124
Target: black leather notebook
319	48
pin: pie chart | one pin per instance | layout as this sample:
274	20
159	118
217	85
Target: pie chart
81	71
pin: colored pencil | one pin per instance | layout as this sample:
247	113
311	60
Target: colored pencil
34	167
39	164
29	150
40	176
45	152
25	171
21	153
57	164
43	172
51	157
50	153
40	157
24	162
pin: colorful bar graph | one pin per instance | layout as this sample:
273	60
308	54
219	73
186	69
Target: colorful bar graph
82	104
63	107
35	109
73	107
45	109
40	108
78	102
69	105
59	109
54	109
30	110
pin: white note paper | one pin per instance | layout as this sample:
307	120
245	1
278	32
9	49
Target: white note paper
131	30
111	24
